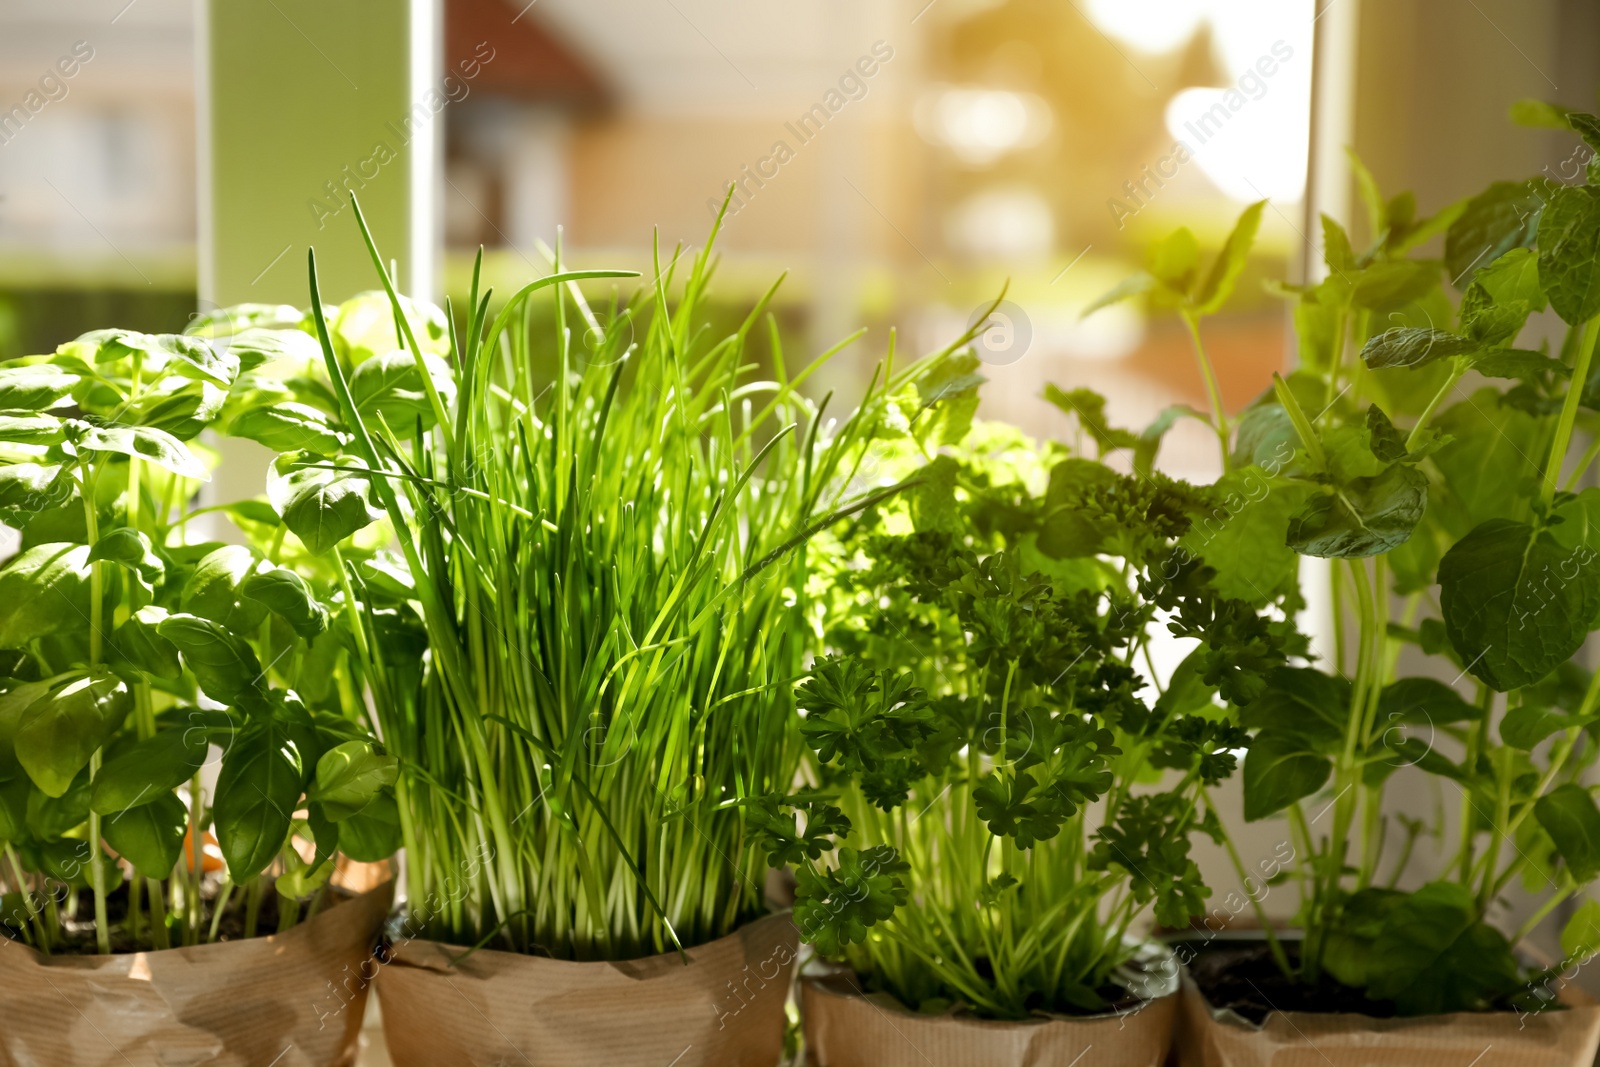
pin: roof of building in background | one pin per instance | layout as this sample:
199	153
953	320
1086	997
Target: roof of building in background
530	62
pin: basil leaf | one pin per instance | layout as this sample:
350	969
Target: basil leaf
1303	702
34	388
149	836
44	591
214	590
29	488
139	643
390	385
349	776
287	595
257	792
31	429
226	668
322	507
133	550
149	443
1568	814
61	730
49	818
287	427
1516	604
372	835
147	770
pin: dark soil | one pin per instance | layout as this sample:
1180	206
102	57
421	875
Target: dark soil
78	937
1243	976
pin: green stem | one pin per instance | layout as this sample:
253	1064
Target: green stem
1218	413
1569	412
1273	944
1458	367
159	935
28	902
1539	916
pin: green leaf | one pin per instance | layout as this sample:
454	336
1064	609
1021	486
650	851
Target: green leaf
62	729
1413	346
37	387
26	489
139	642
288	427
1279	770
1437	956
322	507
1568	814
214	590
390	385
1516	604
1136	285
226	668
132	549
1528	724
287	595
1224	275
257	792
1304	702
148	769
1487	464
1390	285
48	817
1365	517
835	908
350	776
31	429
1336	250
372	834
1531	112
197	357
1502	217
1175	258
1520	364
44	591
1243	537
1569	253
149	836
1424	701
1580	938
148	443
256	345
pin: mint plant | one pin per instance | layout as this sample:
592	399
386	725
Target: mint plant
1432	449
134	652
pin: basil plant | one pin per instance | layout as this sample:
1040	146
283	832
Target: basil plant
1434	449
183	747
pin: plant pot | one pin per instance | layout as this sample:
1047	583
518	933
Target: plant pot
725	1008
846	1027
1220	1037
298	996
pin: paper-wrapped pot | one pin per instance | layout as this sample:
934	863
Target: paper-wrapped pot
290	1000
845	1027
1212	1037
725	1008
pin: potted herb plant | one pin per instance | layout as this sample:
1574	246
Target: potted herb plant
602	516
177	899
1013	799
1430	452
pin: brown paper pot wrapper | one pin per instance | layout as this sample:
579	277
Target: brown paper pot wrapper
297	996
846	1028
725	1009
1212	1037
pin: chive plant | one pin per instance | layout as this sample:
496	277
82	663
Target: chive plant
604	540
